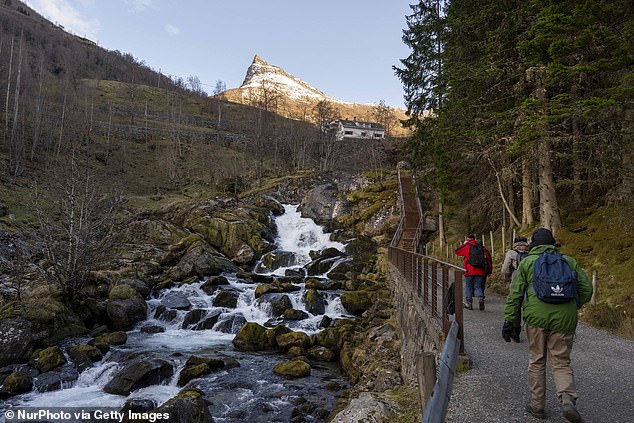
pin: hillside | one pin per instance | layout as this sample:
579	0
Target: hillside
291	97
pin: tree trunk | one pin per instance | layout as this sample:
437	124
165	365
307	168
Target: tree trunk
441	226
527	194
626	187
577	161
548	207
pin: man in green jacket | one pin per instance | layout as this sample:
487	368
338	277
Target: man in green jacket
550	329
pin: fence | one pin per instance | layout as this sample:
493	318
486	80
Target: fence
430	280
436	408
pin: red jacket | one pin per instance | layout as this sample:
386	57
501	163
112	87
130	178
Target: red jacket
464	250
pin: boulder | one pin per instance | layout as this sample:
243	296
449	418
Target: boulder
192	372
212	363
315	303
152	329
232	324
16	338
141	288
211	284
200	261
49	359
138	405
313	283
15	384
292	314
293	339
342	271
356	302
49	381
292	369
244	255
326	253
321	353
367	407
295	273
192	317
124	314
225	298
187	407
176	300
139	374
320	266
254	337
251	337
248	277
83	356
103	342
165	314
275	259
209	321
325	322
280	304
271	204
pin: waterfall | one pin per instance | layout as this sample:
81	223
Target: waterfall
177	340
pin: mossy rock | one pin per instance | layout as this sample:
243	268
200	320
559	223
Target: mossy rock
192	372
49	359
15	384
313	283
321	353
315	303
351	360
292	369
212	363
274	332
103	342
293	314
293	339
187	407
251	337
84	355
356	302
224	298
123	292
334	337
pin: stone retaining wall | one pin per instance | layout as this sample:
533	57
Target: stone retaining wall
418	331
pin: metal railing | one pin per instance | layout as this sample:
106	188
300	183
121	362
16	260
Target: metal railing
436	409
430	280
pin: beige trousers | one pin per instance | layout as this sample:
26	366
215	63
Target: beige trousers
557	346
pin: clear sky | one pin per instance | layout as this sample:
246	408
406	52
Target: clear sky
345	48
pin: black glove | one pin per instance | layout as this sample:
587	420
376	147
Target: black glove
508	331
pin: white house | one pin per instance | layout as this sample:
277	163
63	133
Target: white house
355	129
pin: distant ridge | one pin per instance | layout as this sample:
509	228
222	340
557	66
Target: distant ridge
291	97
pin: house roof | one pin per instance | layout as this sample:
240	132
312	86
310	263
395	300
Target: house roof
360	125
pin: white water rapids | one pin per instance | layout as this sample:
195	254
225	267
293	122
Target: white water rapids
257	384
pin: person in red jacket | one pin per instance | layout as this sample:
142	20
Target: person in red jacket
478	265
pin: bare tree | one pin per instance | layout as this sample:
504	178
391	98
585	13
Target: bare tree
77	234
384	115
325	114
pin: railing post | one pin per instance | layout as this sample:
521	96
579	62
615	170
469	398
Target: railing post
425	281
445	285
419	288
434	288
459	308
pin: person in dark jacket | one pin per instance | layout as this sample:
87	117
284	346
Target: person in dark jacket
550	329
509	270
475	277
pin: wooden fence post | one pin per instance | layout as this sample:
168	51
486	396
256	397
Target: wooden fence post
492	245
595	282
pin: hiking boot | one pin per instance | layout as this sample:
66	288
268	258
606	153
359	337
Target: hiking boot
481	304
468	305
538	413
569	409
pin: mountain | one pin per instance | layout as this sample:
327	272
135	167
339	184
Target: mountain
271	87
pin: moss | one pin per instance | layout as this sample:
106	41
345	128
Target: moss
406	398
49	359
122	292
292	369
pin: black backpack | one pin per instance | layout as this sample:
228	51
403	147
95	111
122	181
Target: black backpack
477	257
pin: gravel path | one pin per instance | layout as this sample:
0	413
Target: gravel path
496	390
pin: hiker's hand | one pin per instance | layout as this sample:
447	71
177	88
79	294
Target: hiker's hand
507	331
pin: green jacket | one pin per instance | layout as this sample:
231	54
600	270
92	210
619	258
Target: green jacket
555	317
